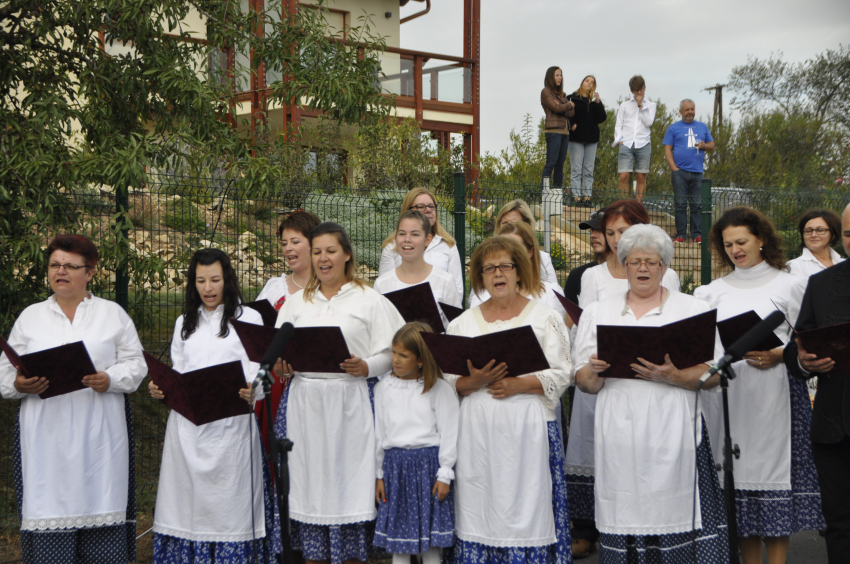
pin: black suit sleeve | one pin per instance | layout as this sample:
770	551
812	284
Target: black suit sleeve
806	320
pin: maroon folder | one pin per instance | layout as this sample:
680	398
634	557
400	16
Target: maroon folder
832	342
451	312
201	396
518	348
266	310
63	366
311	349
688	342
736	327
572	309
417	303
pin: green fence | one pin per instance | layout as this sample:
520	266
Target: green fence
173	216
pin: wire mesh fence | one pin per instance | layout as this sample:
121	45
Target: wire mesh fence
173	216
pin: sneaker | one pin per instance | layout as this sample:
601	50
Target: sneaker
697	239
679	240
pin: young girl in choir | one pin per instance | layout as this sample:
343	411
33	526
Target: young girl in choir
416	424
413	235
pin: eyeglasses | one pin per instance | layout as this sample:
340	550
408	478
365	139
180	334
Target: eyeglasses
424	207
650	264
54	266
819	231
504	267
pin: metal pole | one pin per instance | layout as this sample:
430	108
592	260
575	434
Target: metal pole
545	207
460	222
122	236
705	247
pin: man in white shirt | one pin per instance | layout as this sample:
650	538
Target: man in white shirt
634	118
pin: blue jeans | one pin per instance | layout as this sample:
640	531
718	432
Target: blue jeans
582	159
687	190
556	153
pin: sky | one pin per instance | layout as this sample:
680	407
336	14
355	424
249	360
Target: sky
679	47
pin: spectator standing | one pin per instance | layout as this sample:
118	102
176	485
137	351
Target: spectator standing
584	137
826	302
631	132
558	110
685	145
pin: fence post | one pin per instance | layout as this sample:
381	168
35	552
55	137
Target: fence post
705	246
546	210
122	277
460	223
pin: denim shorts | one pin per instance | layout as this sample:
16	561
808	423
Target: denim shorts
636	160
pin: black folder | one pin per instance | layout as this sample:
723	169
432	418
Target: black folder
311	349
64	366
832	342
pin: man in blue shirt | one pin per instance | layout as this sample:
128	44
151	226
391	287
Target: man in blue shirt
685	145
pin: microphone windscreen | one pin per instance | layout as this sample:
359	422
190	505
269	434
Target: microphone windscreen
755	335
278	344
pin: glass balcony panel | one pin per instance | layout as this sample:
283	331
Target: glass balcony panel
446	81
398	73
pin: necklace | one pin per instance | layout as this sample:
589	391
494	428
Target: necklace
294	281
623	274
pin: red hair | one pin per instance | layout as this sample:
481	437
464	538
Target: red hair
631	211
76	244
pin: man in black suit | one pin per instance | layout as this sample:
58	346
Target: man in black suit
827	302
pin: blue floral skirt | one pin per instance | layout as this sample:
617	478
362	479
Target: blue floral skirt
466	552
413	520
175	550
113	544
581	495
706	546
781	513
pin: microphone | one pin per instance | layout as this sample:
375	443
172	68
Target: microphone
275	350
745	344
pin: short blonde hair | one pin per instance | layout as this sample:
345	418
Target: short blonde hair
409	337
407	204
529	239
513	205
495	246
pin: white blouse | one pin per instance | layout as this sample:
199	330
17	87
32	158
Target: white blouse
644	447
547	269
806	264
74	447
597	284
275	289
205	475
439	253
442	286
407	418
547	297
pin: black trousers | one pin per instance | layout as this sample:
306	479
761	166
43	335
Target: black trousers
833	464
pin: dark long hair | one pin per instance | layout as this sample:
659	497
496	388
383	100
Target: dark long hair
549	81
231	299
758	225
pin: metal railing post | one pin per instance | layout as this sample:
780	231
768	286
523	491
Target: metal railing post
705	246
460	223
122	276
546	210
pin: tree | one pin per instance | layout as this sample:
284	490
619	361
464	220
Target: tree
76	114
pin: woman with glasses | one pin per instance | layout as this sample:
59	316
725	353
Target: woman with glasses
776	489
441	251
819	231
646	461
73	463
510	497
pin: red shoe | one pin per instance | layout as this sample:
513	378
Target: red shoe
679	240
697	239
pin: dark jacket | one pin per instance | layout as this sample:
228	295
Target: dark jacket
826	302
588	116
557	109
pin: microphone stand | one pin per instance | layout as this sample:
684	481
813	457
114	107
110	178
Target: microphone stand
729	451
280	469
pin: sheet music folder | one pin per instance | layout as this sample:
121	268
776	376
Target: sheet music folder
417	303
311	349
736	327
266	311
571	307
201	396
63	366
689	342
830	342
518	348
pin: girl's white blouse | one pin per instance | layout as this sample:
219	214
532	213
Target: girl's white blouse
644	448
407	418
204	492
442	286
439	253
74	447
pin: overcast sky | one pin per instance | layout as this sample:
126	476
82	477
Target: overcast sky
679	47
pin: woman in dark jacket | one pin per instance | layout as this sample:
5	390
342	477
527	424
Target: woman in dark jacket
557	127
584	136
